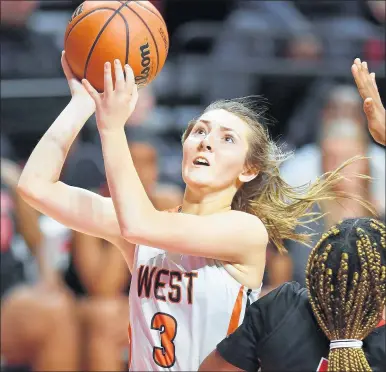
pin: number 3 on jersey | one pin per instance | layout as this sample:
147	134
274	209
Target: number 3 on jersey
165	355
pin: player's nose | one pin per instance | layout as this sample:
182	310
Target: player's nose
206	143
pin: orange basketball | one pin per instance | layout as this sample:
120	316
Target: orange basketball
132	31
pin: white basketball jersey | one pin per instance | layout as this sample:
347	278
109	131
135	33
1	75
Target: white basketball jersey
181	307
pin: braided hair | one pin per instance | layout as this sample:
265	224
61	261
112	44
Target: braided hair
346	282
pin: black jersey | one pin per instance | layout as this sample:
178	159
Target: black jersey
280	333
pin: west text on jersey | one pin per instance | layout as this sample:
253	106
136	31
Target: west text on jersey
153	281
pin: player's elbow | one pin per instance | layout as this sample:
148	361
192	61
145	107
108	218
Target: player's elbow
24	189
135	228
126	233
136	233
129	228
29	189
131	232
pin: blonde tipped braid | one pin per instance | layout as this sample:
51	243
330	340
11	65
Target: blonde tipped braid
347	310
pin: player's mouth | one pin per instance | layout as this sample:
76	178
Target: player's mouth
201	161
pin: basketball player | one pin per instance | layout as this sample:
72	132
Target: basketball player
193	272
335	324
283	330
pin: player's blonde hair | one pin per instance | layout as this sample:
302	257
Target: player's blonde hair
346	282
279	206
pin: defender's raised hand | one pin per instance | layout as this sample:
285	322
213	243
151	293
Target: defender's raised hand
372	106
115	106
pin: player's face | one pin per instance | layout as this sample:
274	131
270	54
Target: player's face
215	151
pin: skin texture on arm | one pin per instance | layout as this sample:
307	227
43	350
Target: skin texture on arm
215	362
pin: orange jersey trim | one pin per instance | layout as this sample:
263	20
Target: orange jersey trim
235	317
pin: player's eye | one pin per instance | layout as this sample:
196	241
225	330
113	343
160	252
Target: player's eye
200	131
228	138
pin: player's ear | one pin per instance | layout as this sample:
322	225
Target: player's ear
249	174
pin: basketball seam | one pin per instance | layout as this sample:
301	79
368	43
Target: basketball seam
155	43
99	35
84	16
149	10
127	39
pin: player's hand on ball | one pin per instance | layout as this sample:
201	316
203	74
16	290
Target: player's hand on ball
373	107
78	92
116	105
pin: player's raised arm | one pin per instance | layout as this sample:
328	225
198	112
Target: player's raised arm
372	106
39	183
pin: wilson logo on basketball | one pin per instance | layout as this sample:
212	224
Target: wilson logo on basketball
78	11
145	62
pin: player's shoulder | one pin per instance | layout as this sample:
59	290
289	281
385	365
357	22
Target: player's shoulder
375	347
282	299
248	222
273	310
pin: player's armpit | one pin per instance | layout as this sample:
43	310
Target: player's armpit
232	236
128	250
215	362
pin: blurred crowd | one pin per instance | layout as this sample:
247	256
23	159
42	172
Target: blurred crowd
64	294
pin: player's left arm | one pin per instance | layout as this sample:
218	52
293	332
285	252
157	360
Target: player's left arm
239	351
231	236
215	362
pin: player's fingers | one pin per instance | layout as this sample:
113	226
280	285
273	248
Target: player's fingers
108	80
354	70
66	68
364	67
355	74
130	79
134	94
91	91
372	76
119	77
366	74
134	97
358	63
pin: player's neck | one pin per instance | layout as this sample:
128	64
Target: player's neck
194	203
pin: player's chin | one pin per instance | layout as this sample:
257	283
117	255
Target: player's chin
195	179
